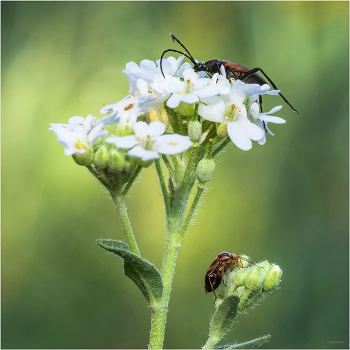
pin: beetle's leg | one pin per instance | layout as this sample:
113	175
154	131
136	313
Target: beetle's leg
260	103
261	111
254	70
233	72
211	285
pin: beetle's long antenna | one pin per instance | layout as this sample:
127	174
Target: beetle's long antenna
177	40
170	50
251	262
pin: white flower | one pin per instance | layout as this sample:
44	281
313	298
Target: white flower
149	140
126	106
218	85
80	138
231	108
148	72
72	123
262	119
185	91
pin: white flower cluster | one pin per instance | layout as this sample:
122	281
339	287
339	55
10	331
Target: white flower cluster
234	107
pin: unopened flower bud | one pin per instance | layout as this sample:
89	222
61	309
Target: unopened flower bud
101	157
205	170
255	278
273	278
239	277
221	129
84	159
116	161
194	130
185	109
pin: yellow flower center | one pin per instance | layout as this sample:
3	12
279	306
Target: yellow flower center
80	145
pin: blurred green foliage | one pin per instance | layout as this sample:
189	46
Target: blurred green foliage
286	201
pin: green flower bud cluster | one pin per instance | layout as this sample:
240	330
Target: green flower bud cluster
112	165
250	284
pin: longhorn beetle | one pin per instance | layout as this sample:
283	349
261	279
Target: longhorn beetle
216	271
233	71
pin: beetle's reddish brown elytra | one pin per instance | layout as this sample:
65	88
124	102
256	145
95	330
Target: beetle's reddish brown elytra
216	271
233	71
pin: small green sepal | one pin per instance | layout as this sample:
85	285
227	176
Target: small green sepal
84	159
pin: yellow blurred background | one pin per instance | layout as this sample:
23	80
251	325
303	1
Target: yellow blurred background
286	201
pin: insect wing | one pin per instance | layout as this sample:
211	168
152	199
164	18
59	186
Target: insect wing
213	279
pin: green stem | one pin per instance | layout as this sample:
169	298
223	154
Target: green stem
222	146
195	156
119	201
175	161
173	118
169	167
173	245
103	181
211	342
159	314
163	186
200	190
131	181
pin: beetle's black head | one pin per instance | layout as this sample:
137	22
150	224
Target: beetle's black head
199	67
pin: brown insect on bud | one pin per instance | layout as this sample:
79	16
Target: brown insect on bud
216	271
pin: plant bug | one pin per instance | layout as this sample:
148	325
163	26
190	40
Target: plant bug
233	71
216	271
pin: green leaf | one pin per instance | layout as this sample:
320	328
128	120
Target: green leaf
223	318
144	274
252	344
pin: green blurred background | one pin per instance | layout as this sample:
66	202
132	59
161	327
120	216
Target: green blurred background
286	201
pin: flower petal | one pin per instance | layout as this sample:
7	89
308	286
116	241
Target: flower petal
123	142
145	155
156	128
271	119
238	137
141	129
174	100
76	120
190	98
274	110
251	130
173	144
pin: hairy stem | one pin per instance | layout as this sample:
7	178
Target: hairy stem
131	181
200	190
222	146
163	186
174	240
169	167
119	201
